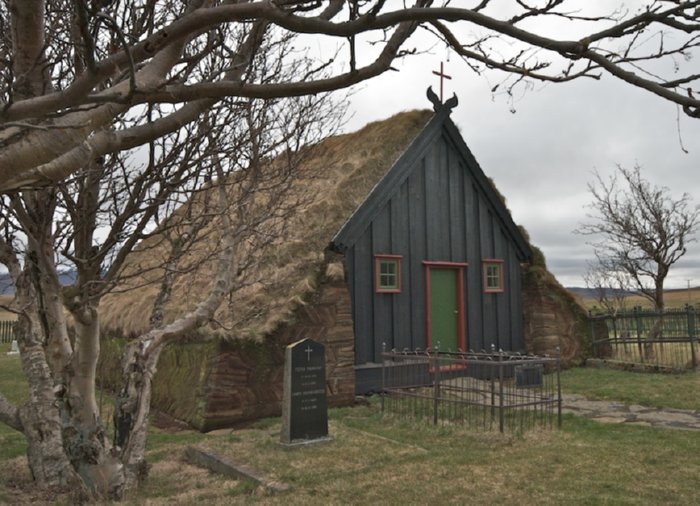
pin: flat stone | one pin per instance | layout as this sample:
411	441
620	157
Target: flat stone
206	458
636	408
616	412
665	417
609	419
596	405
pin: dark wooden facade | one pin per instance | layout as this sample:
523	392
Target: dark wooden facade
436	211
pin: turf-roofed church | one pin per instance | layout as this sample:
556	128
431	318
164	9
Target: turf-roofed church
401	240
432	256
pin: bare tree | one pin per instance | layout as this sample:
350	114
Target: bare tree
643	231
182	186
85	85
611	286
72	69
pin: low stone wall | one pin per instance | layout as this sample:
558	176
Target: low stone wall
245	382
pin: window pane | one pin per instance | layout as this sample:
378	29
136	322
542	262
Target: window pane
493	276
388	273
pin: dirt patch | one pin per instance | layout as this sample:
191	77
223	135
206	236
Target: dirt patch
17	487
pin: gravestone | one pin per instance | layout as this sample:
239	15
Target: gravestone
14	348
304	405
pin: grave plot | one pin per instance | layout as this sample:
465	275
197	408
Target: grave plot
485	391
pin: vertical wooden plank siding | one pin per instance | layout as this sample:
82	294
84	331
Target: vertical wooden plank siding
432	204
514	330
458	205
474	300
417	252
501	299
402	307
442	245
363	310
517	329
382	302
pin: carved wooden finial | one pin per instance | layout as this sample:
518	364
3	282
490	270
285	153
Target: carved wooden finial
437	103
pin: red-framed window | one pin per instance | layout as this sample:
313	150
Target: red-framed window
387	273
493	275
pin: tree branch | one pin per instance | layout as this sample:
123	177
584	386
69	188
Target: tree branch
9	414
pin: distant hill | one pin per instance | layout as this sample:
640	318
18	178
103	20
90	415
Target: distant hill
8	288
674	298
592	293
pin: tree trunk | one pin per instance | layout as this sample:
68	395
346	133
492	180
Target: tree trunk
40	416
132	408
656	331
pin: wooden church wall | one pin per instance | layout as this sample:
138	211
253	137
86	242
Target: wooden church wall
439	213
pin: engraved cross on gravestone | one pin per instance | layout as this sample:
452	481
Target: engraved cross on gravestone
304	405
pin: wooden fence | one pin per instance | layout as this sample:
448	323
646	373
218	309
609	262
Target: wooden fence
7	331
666	340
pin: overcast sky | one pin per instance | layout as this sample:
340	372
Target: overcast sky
542	156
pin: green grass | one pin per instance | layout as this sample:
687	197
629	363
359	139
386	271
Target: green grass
14	388
375	459
680	391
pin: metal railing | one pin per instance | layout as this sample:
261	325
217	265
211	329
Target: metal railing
483	391
660	340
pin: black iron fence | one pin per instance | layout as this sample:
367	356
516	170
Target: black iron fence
7	331
661	340
479	390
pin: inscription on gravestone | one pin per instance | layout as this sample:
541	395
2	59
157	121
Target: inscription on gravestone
304	406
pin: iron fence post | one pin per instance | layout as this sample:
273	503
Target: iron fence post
493	389
691	335
501	417
383	373
436	383
558	387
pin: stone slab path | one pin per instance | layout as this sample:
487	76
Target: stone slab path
617	412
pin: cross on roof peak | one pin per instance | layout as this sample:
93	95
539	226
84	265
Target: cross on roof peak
442	76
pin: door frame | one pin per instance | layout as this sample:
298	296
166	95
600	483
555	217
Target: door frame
461	319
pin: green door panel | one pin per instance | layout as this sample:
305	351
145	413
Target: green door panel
444	312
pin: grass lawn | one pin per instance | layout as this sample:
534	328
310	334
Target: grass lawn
680	391
375	459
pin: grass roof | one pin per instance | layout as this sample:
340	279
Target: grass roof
276	275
